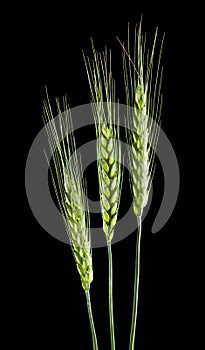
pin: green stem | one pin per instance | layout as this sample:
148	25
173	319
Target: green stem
112	331
136	285
92	326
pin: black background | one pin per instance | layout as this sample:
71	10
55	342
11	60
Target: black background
48	48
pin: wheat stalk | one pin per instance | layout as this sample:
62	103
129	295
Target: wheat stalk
70	192
143	94
102	88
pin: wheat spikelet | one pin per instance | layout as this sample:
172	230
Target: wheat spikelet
69	188
102	88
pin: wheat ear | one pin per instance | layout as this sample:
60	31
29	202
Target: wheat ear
143	94
70	192
102	88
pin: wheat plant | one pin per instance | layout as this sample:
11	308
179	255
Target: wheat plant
103	99
143	79
70	190
143	95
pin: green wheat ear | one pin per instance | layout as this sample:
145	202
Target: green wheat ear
143	95
109	172
102	88
69	188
